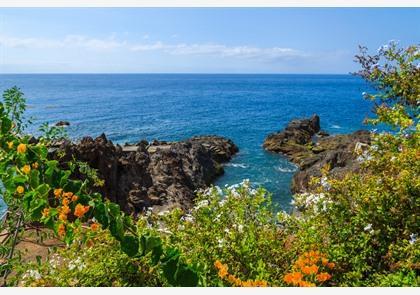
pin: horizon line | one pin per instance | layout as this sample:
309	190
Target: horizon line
169	73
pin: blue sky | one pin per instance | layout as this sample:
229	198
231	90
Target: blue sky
197	40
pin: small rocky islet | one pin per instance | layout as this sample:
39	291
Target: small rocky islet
165	175
310	148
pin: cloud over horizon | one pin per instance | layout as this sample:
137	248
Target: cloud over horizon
113	43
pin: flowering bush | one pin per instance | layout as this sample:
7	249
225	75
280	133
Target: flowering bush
238	226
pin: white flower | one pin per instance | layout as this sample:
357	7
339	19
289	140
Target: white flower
368	228
203	203
413	238
222	202
187	218
324	183
220	242
217	217
162	213
76	264
239	227
227	231
33	274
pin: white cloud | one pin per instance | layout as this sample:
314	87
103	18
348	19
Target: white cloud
112	43
66	42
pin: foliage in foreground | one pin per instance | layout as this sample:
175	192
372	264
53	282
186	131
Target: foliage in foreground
360	230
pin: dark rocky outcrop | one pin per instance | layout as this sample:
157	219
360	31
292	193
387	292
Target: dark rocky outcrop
304	144
157	174
62	123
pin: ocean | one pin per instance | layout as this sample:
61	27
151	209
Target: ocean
244	108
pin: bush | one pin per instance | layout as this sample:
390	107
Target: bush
237	226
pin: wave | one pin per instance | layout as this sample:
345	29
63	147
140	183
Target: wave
237	165
336	126
286	170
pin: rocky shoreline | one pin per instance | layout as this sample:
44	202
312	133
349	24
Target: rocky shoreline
165	175
157	174
306	145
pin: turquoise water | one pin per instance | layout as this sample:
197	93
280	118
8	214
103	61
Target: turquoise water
244	108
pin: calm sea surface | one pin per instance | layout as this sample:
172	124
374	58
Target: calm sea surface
245	108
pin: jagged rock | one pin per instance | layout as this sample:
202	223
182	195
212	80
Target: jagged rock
160	174
62	123
304	144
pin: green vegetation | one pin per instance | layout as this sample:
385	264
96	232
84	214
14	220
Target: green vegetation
360	230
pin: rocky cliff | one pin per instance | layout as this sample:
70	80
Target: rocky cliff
159	174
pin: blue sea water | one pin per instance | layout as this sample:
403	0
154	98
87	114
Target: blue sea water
245	108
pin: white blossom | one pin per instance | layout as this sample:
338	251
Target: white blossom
32	274
220	242
187	218
413	238
203	203
368	228
76	264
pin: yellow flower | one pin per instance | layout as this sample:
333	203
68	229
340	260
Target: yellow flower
57	192
20	189
26	169
21	148
45	212
10	144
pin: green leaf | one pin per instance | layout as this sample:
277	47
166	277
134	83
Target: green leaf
130	245
116	228
34	179
101	214
186	276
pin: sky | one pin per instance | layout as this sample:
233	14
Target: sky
197	40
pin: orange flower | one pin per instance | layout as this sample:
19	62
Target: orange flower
306	284
58	192
80	210
10	144
20	189
66	202
74	198
21	148
308	270
223	271
35	165
94	226
324	261
331	265
26	169
61	230
68	195
323	276
260	283
293	278
234	280
45	212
